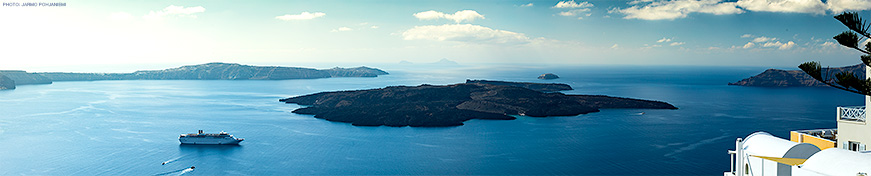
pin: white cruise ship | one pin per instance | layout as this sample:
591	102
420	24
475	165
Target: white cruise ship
209	138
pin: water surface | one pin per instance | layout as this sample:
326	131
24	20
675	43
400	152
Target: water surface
131	127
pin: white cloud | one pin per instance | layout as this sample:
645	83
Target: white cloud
467	33
749	45
120	16
674	9
527	5
663	40
459	16
574	12
829	45
429	15
766	42
342	29
779	45
639	1
172	10
374	27
669	10
577	8
763	39
676	43
301	16
572	4
615	46
793	6
787	46
838	6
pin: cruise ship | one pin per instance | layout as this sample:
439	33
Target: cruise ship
209	138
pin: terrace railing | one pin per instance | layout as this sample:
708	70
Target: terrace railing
852	113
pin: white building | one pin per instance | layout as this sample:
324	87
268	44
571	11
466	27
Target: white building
843	153
756	154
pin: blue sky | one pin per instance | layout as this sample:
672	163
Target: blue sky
117	34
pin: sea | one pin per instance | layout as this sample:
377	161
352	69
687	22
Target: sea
131	127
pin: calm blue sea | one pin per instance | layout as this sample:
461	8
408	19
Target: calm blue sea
131	127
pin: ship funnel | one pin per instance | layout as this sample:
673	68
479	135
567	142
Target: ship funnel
200	131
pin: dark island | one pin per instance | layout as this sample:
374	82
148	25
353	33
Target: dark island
451	105
794	78
548	76
542	87
209	71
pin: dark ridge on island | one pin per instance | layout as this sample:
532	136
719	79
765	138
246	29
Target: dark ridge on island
793	78
221	71
6	83
209	71
25	78
541	87
451	105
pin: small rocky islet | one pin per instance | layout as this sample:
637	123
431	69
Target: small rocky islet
451	105
548	76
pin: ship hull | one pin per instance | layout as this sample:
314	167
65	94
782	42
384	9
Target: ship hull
209	141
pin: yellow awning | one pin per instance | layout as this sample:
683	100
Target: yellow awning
787	161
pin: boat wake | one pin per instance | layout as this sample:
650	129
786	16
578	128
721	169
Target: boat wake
186	170
172	160
180	171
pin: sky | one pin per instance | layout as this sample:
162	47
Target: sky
124	36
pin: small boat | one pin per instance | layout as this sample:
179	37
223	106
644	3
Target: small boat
222	138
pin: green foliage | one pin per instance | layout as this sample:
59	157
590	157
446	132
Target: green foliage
854	22
813	69
848	39
847	81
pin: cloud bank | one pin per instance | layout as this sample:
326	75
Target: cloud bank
466	33
301	16
459	16
675	9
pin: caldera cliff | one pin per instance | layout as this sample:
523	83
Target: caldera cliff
209	71
793	78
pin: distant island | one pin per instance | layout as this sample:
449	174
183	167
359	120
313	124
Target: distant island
548	76
451	105
793	78
541	87
209	71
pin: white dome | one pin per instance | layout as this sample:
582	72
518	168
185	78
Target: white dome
764	144
835	161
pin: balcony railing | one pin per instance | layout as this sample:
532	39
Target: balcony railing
852	113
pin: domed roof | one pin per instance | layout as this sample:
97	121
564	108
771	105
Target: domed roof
835	161
764	144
